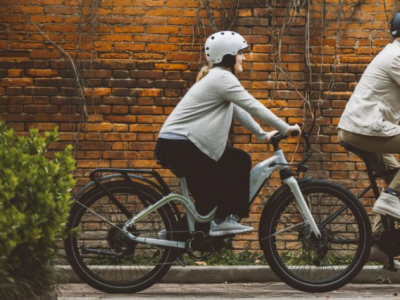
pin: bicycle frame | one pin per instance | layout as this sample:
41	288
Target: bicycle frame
258	176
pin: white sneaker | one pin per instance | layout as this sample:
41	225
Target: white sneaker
229	226
377	255
387	204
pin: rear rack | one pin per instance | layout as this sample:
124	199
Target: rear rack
125	173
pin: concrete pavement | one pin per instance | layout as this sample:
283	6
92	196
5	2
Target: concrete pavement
237	291
248	274
239	282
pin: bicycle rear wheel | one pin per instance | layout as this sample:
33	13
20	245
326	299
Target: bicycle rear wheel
297	256
102	255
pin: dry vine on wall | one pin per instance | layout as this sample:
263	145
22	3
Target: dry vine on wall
283	19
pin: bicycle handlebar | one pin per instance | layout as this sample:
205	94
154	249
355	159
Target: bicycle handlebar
275	140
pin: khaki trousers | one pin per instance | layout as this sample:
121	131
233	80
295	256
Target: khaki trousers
379	154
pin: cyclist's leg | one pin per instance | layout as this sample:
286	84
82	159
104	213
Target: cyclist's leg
234	167
223	183
198	168
381	163
377	147
380	160
233	203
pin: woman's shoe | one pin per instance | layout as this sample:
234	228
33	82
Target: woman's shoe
230	225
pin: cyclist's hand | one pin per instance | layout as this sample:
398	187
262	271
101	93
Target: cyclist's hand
293	130
270	134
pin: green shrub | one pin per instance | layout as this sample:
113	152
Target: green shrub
35	200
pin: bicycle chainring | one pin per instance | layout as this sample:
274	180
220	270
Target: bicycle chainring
200	247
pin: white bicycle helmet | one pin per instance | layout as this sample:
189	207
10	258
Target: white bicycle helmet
224	42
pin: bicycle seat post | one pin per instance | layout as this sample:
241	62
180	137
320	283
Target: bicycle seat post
184	188
185	193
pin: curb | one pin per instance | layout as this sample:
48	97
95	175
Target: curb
222	274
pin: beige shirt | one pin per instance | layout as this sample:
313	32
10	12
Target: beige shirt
374	107
204	115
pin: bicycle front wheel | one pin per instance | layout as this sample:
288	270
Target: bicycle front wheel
102	255
295	254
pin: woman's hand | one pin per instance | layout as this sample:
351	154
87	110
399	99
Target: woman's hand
293	129
270	134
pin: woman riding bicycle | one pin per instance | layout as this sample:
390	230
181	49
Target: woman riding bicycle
193	138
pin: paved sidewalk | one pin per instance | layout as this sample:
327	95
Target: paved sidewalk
237	291
238	282
222	274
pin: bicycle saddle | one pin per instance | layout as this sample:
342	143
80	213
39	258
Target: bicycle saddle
353	149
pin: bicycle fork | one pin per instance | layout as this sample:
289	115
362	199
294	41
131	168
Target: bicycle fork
302	205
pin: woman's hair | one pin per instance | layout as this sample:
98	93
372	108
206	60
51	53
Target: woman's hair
204	71
228	61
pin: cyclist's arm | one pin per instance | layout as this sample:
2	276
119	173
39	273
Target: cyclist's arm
245	119
234	92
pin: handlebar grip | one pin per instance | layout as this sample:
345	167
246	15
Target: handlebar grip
307	151
294	133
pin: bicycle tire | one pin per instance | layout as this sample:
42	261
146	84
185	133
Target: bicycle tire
296	256
102	256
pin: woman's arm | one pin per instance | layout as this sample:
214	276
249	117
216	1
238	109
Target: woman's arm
234	92
245	119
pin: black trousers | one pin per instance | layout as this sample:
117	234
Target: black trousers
224	183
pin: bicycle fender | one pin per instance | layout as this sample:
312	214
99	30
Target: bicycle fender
92	184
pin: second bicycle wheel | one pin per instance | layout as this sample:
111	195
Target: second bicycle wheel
295	254
102	255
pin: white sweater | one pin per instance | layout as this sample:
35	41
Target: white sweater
204	115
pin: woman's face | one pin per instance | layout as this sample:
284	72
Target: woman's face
239	62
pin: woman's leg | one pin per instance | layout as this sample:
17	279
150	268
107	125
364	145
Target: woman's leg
225	183
201	172
234	172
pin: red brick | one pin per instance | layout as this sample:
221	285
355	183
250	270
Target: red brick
47	19
127	47
98	127
41	72
162	29
45	54
129	28
116	38
113	55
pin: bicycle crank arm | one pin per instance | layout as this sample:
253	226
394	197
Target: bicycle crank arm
304	210
156	242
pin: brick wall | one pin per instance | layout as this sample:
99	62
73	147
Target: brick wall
137	58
